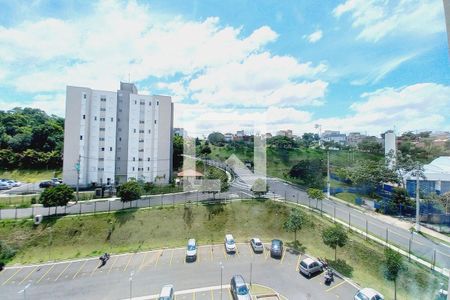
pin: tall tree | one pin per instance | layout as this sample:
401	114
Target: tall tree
393	263
294	222
317	195
335	236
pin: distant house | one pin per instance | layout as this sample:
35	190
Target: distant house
437	178
228	137
334	136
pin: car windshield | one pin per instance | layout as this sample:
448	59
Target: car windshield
303	264
242	290
230	242
361	296
191	247
258	243
164	298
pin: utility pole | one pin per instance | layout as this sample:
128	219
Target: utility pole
221	275
328	174
77	167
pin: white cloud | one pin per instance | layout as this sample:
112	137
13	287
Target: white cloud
315	36
50	103
378	19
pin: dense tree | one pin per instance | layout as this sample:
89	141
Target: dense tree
178	149
371	145
205	150
29	138
130	191
282	142
294	222
310	172
335	236
309	138
372	173
216	138
58	195
393	263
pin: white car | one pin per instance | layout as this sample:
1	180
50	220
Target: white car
368	294
257	245
191	250
4	186
166	292
309	266
230	245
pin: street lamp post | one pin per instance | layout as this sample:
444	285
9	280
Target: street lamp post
328	174
417	201
50	241
131	284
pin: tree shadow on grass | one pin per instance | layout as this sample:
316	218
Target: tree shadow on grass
295	247
342	267
123	216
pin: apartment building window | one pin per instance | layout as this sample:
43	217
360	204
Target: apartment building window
149	131
103	99
112	119
101	169
118	157
148	158
150	103
103	148
141	131
101	159
102	129
134	158
141	150
102	109
140	159
142	103
155	121
119	148
119	129
133	168
95	118
120	110
102	119
120	139
135	102
101	139
110	148
141	122
148	168
81	137
134	130
157	102
141	141
118	119
84	96
84	117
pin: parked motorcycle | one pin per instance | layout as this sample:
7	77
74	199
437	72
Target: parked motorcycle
104	258
329	276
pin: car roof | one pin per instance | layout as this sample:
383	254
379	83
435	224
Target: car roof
277	241
369	292
191	242
165	291
256	239
239	279
308	260
229	237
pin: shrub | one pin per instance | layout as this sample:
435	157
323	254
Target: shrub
58	195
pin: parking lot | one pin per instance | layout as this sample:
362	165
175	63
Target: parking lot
152	269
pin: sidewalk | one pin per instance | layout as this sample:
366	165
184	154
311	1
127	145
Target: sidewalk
407	225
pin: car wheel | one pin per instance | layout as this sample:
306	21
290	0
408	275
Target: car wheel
309	274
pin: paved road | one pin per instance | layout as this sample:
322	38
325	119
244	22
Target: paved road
84	280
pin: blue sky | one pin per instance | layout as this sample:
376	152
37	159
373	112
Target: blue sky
349	65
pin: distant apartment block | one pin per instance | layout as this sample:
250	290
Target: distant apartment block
228	137
180	132
112	137
354	138
334	136
287	133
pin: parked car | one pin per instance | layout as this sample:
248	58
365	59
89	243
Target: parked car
166	292
46	184
276	248
309	266
239	289
13	183
57	180
191	250
257	245
368	294
4	186
230	245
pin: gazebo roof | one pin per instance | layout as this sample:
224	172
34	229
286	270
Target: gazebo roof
189	173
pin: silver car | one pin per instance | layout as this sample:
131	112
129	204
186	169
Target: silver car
310	266
239	289
230	245
257	245
191	250
368	294
167	292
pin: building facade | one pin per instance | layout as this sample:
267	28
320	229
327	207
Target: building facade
111	137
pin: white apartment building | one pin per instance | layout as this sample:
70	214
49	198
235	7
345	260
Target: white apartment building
115	136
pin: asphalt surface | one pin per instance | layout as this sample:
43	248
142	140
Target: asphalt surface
151	270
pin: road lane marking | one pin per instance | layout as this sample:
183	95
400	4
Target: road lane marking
157	258
297	266
45	274
29	274
63	271
282	256
193	296
82	266
109	271
251	250
224	253
126	266
171	257
212	295
211	253
237	251
333	287
95	268
143	261
12	276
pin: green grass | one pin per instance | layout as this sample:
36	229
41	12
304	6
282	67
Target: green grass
348	197
134	230
24	175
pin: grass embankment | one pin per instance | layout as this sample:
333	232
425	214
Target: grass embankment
79	236
25	175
